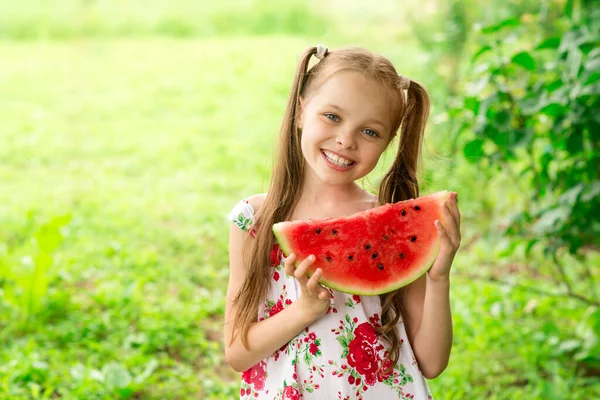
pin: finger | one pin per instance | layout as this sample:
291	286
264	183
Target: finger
313	283
289	264
450	222
454	209
448	234
301	271
443	234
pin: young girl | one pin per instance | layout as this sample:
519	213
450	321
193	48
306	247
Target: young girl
291	337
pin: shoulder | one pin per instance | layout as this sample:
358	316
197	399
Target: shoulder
256	201
368	201
243	213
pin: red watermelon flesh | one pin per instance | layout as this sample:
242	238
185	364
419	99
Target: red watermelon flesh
371	252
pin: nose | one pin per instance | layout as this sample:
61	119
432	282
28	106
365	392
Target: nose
345	139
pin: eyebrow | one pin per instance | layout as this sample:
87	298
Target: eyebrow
376	121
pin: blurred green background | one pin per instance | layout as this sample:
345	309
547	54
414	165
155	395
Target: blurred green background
129	129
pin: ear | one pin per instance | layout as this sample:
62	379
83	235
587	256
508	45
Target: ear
300	111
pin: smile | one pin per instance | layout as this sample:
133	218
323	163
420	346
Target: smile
336	160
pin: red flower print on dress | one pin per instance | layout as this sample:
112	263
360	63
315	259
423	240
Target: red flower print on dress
365	354
313	348
366	358
374	319
276	308
272	307
290	393
276	254
255	376
366	331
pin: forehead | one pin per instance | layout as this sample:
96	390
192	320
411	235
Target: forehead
356	93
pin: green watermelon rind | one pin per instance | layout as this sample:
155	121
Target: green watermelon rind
279	228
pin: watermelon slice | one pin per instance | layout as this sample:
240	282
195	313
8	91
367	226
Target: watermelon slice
371	252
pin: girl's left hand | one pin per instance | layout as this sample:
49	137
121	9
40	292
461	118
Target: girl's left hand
449	238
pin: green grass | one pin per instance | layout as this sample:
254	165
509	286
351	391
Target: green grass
145	143
63	19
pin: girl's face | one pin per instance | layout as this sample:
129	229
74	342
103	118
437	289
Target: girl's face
346	126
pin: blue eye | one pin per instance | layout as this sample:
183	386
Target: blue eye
332	117
371	132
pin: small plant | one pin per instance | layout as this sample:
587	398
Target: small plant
25	269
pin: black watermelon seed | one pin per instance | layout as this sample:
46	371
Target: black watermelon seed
403	213
334	232
380	266
386	237
374	256
350	258
368	246
401	255
328	258
417	208
412	239
393	231
318	230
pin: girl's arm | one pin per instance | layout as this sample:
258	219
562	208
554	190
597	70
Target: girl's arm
426	301
269	335
429	324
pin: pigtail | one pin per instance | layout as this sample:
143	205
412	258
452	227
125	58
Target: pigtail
401	183
284	190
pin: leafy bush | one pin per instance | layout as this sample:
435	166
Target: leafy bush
540	104
531	110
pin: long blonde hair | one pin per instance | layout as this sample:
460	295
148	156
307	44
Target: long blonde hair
411	109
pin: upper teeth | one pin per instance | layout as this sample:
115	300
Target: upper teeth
334	158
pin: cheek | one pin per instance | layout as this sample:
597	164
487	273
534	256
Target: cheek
374	153
316	129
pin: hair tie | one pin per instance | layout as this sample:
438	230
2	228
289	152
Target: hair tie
321	51
404	82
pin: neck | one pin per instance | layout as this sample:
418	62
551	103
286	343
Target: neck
317	194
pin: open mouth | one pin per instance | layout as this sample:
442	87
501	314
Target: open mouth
337	161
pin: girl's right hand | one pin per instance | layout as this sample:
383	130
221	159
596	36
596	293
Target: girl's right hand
314	299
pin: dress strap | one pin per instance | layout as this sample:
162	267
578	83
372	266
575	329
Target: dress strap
242	215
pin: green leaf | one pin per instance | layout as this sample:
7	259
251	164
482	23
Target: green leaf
569	8
502	119
570	197
473	150
343	341
481	51
593	64
550	219
116	376
552	110
150	367
591	191
530	246
525	60
549	43
472	104
574	143
569	345
507	23
574	62
592	78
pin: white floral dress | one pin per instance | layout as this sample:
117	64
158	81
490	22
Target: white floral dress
337	356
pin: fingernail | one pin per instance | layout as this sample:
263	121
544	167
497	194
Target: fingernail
311	257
